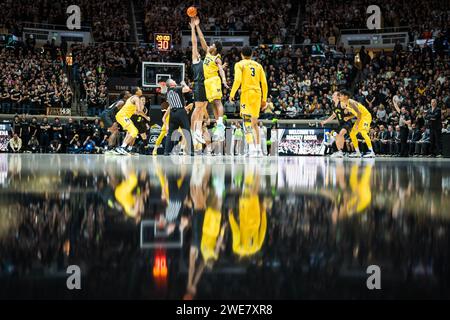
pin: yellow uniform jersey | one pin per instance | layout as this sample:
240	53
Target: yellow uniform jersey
365	120
124	115
210	67
213	85
249	75
128	109
363	110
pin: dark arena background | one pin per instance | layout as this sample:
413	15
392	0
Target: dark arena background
217	150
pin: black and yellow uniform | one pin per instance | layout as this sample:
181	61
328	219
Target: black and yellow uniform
199	82
340	115
140	123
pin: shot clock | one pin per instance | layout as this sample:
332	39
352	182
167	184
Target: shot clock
163	41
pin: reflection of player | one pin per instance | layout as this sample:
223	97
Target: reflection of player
359	196
212	68
128	195
344	125
208	226
108	117
250	77
249	223
361	191
123	117
361	126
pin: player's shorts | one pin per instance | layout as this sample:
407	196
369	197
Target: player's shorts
200	92
251	103
108	118
344	125
140	123
127	125
213	88
364	124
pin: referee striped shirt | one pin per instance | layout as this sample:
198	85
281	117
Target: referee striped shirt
175	98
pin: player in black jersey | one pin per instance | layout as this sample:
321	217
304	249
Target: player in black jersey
200	100
344	125
108	117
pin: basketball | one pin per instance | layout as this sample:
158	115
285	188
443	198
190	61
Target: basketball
192	12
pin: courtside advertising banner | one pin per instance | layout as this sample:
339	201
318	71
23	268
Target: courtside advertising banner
301	142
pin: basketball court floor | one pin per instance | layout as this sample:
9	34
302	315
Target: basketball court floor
223	227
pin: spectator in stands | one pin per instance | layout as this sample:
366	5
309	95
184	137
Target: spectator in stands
75	145
33	144
44	134
55	146
34	128
423	145
15	143
414	136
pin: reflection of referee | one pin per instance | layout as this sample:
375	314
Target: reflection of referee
178	115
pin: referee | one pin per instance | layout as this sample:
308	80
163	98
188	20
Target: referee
178	115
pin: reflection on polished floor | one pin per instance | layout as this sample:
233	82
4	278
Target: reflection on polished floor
223	227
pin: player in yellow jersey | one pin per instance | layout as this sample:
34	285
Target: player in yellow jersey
362	124
212	68
133	105
249	75
164	128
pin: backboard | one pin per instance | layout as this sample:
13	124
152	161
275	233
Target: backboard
155	72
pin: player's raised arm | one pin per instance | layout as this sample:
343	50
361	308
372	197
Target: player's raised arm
195	55
200	34
237	80
222	73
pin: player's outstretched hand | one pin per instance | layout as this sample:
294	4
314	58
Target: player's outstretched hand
225	84
192	23
231	99
196	20
225	65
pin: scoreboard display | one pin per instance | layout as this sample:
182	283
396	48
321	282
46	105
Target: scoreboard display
163	41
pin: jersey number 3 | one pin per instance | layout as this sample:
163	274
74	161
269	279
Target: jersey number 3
253	71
